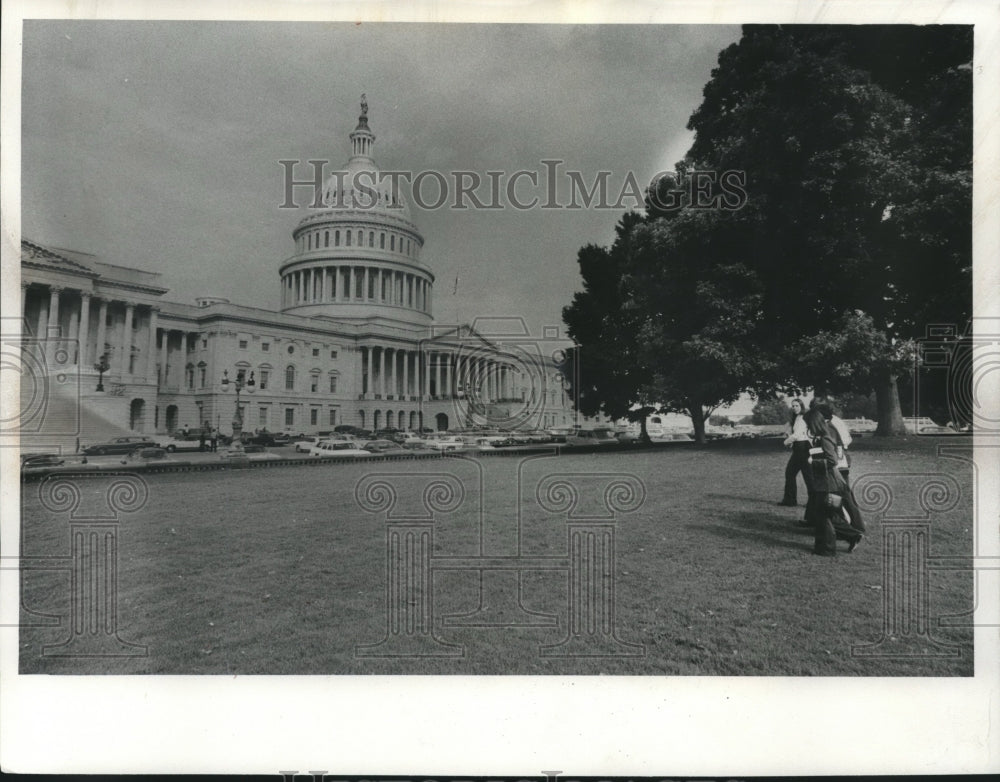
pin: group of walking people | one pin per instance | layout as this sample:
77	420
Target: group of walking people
819	441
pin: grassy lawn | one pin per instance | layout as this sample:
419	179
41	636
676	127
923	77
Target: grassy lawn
279	571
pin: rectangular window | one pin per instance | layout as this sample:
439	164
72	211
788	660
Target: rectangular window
314	386
289	416
243	344
333	418
333	384
204	344
316	351
265	346
264	375
314	416
263	417
202	376
333	354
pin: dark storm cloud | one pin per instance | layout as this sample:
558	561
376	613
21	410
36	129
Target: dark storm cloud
156	143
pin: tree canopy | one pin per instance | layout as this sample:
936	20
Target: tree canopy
853	146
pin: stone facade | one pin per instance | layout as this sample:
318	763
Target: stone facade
354	341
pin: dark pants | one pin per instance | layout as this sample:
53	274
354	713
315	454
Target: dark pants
851	504
829	524
797	462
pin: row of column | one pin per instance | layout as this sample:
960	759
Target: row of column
317	285
115	344
401	373
324	238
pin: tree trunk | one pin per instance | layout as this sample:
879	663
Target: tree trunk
643	434
890	415
698	419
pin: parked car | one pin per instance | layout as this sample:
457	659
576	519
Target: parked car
265	439
413	440
626	437
356	431
473	443
146	454
306	445
119	445
384	448
442	441
338	449
32	460
591	437
177	443
281	438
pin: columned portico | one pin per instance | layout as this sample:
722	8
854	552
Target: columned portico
125	344
356	276
151	347
164	342
381	374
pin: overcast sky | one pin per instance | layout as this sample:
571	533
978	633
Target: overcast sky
156	144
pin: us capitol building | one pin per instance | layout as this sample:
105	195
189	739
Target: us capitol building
353	342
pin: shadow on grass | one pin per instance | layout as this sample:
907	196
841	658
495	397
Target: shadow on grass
764	530
744	499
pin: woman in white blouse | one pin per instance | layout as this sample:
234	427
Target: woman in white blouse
798	441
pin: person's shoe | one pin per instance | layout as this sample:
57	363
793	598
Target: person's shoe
854	544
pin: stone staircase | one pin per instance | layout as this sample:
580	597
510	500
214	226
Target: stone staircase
58	412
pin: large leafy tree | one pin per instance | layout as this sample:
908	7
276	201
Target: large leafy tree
697	312
856	146
605	371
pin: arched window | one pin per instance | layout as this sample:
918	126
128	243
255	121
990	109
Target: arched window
381	241
361	238
290	378
371	238
347	235
309	241
326	238
392	242
336	238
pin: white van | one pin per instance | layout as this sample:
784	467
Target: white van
338	448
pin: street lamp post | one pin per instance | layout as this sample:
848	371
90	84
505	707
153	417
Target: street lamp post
101	366
236	447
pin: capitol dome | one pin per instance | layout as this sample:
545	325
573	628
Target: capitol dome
358	256
360	184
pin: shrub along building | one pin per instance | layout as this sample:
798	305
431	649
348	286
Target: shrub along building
354	340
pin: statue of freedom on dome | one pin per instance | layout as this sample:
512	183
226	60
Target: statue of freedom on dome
364	105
